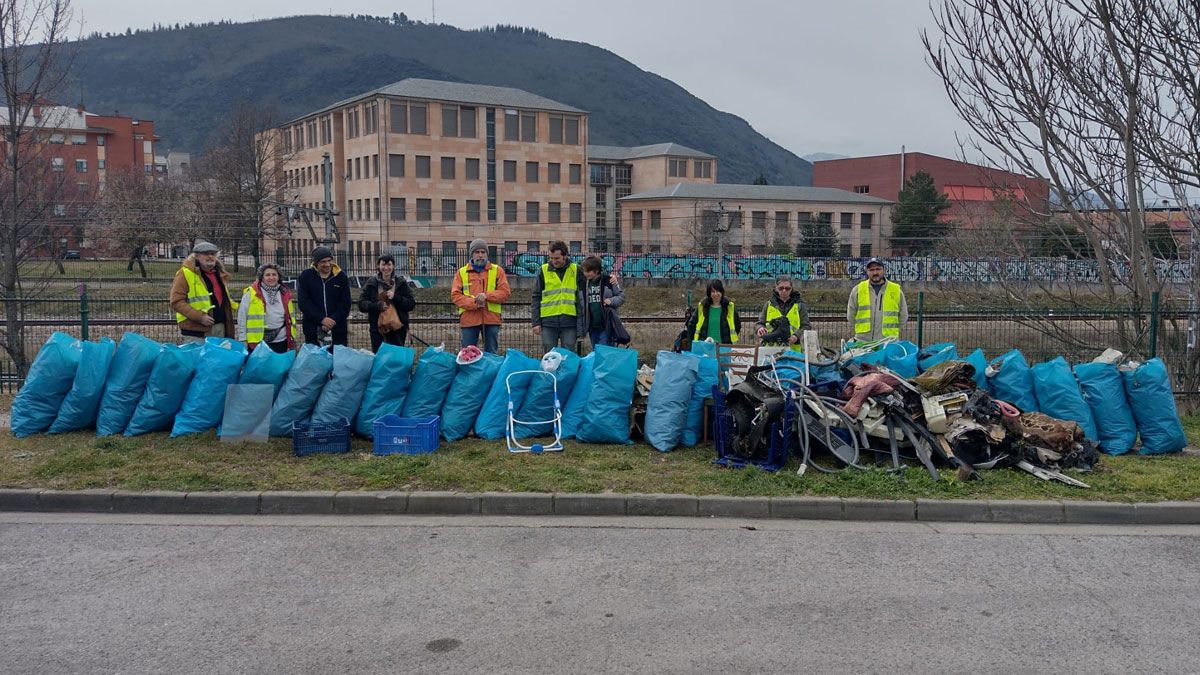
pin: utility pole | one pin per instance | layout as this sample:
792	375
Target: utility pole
723	216
294	212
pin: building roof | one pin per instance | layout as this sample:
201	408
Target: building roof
61	117
618	153
764	193
457	92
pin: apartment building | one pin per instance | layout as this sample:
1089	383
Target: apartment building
616	172
430	165
763	219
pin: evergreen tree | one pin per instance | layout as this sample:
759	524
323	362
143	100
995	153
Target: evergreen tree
1064	240
817	239
760	180
916	229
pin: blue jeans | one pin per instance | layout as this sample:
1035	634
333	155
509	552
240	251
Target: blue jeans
599	337
558	337
491	337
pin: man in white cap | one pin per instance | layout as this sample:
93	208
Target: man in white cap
478	290
200	298
877	308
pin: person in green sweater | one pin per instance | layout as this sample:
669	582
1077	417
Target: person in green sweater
715	317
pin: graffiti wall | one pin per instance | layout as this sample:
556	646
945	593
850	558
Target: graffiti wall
767	267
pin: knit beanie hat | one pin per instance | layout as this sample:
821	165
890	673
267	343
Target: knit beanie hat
320	253
478	245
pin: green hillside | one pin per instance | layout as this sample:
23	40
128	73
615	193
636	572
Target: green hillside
186	79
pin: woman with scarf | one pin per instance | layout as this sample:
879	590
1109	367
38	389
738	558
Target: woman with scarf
267	312
383	288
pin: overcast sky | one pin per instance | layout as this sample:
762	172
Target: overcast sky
843	77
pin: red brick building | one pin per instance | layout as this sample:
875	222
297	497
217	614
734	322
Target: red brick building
972	189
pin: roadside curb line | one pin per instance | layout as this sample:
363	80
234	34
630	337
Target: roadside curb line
569	504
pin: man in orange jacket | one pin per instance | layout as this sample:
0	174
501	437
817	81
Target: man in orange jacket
478	290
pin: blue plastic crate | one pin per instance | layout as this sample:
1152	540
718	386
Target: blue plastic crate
396	435
330	437
780	442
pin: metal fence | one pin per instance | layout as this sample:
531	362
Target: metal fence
1040	334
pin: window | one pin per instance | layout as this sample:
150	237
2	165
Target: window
378	212
510	171
844	250
367	208
100	163
78	139
449	121
357	168
529	127
572	131
637	220
349	168
326	130
58	163
409	118
422	166
637	248
531	172
656	219
862	189
864	250
425	248
351	117
311	134
399	208
758	220
448	168
512	128
758	249
553	173
575	174
458	121
825	217
472	168
370	118
424	210
473	211
81	166
396	166
702	169
576	247
100	140
532	212
865	221
60	209
375	165
58	139
449	210
510	212
533	246
677	168
575	212
554	212
601	198
781	219
847	219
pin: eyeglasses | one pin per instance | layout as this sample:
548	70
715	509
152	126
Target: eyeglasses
783	288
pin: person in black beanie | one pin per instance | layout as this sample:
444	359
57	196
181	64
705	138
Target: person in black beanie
381	289
324	296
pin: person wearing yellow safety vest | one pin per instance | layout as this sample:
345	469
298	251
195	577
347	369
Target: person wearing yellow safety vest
200	298
785	302
877	308
267	313
479	290
557	299
715	316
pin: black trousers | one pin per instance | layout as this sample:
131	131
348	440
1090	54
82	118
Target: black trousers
397	338
341	335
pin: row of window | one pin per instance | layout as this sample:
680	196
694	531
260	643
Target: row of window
678	168
81	165
471	210
365	167
758	219
412	117
76	139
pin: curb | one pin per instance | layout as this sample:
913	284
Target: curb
570	504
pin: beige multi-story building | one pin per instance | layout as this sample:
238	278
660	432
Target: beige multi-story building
430	165
616	172
763	219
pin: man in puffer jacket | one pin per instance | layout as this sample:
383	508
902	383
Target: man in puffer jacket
324	296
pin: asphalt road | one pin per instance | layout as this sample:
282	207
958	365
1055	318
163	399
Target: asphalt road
105	593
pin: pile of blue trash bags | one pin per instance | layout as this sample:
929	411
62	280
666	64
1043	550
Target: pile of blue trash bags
139	386
1115	402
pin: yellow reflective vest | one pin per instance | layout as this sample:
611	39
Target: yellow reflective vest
256	317
702	322
890	307
558	296
198	295
793	317
491	286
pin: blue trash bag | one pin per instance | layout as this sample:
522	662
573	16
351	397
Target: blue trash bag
343	393
301	389
901	358
572	412
492	421
667	406
434	375
538	403
977	359
49	380
935	354
79	408
1104	392
707	377
470	388
165	390
219	365
1148	389
1059	396
247	415
264	366
1012	382
875	358
127	377
606	418
387	388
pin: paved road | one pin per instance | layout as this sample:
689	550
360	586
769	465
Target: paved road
100	593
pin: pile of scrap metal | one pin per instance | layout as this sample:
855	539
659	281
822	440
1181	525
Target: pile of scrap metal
848	410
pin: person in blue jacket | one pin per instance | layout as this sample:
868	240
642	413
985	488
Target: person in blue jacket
324	296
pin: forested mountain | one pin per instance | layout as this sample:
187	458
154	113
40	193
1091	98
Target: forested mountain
187	78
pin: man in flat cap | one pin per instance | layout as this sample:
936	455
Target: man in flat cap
200	298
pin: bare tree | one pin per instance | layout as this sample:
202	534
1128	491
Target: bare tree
34	62
137	211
